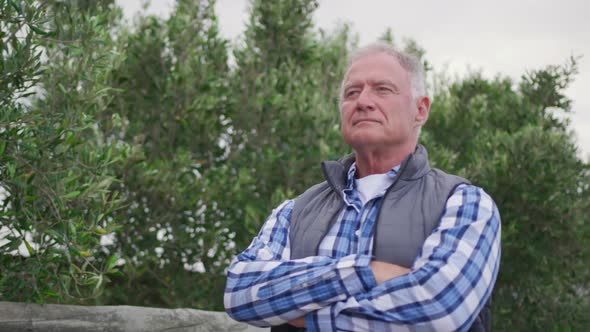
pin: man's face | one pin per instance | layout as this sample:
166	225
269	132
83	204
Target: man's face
377	107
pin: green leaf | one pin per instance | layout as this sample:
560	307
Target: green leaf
71	178
11	170
51	294
62	88
16	6
56	236
29	248
99	283
70	138
75	269
38	30
111	262
72	194
104	183
61	148
3	146
100	230
85	253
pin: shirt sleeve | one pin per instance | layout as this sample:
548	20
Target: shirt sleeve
449	283
265	287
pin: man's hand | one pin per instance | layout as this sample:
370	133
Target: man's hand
384	271
299	322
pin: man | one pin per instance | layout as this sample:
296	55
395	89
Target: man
386	243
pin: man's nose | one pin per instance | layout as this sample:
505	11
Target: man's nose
365	100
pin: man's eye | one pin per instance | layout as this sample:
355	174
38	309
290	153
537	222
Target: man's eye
351	93
384	89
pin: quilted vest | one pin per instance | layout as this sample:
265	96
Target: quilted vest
410	211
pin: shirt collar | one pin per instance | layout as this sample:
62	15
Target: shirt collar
351	184
350	194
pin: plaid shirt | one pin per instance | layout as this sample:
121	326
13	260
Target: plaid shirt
449	282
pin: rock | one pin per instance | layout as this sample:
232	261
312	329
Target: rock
17	317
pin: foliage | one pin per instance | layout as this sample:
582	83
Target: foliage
172	110
174	145
510	142
55	166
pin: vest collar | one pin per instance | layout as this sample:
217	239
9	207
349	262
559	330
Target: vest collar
414	166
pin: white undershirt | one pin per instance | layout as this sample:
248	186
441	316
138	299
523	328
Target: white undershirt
372	185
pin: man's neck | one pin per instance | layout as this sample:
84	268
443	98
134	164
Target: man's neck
377	161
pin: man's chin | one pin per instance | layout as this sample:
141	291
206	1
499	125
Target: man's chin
365	140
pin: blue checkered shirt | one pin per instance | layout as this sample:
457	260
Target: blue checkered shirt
447	286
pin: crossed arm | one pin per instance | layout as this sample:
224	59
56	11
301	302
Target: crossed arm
382	271
445	288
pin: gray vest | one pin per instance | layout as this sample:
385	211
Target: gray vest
410	210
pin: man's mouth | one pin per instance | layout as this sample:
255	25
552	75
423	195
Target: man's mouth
354	123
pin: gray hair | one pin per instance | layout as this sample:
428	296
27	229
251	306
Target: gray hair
409	62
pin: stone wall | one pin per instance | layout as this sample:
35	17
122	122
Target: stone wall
17	317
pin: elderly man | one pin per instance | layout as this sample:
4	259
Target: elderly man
386	243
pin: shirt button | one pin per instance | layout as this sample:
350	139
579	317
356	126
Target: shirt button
358	232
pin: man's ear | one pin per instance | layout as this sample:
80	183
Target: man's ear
423	106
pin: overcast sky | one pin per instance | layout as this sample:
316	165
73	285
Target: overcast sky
502	36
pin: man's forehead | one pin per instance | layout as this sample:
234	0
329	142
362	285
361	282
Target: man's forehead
373	76
375	66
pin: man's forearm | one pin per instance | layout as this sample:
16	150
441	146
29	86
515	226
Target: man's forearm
382	272
267	293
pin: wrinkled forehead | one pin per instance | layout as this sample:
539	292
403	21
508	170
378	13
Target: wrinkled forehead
375	67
